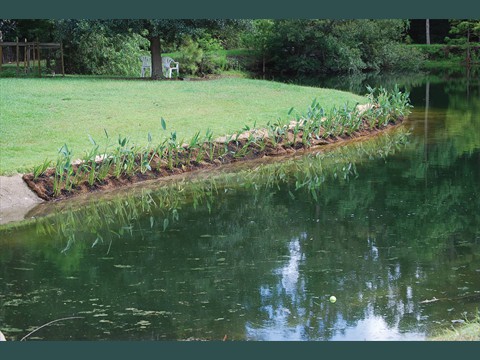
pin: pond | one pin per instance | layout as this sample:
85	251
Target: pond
390	227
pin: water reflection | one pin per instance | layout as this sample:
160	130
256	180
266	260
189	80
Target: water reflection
282	303
374	328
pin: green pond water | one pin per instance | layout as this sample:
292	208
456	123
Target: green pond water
390	226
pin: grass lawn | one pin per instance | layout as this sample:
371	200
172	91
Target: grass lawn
39	115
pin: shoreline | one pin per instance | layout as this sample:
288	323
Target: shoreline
17	199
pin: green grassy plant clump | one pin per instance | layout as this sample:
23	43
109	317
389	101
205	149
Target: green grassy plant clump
468	331
120	162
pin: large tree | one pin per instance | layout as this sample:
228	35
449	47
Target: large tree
309	46
164	32
91	47
427	30
466	30
30	29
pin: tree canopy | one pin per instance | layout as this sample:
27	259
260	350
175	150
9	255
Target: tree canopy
164	32
314	46
290	47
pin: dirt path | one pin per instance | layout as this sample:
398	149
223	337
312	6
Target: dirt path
16	199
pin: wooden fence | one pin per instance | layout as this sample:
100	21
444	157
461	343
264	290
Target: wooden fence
28	55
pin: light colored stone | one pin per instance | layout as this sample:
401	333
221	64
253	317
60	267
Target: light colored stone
16	199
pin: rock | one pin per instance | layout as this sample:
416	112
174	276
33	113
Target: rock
16	199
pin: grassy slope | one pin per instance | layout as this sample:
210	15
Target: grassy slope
39	115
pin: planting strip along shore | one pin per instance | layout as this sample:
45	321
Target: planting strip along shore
127	164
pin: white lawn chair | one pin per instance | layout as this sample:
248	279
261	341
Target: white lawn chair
146	64
168	65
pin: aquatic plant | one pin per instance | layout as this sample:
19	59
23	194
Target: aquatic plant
146	157
89	162
63	170
171	149
193	146
386	106
41	169
209	144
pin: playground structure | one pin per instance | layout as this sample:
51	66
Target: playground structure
29	57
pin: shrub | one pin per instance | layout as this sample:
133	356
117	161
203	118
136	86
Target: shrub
348	46
202	56
401	57
116	55
90	49
190	56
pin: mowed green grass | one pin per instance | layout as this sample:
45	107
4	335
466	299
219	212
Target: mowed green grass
38	116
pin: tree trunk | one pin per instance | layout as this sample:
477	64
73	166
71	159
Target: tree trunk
468	46
263	65
156	51
425	131
427	28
